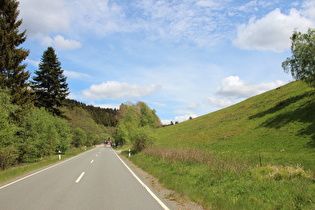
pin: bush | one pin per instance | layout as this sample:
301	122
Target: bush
43	134
141	138
8	156
79	137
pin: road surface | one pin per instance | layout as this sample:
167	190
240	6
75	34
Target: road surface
96	179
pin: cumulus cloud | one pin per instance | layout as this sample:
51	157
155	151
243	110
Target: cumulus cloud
59	42
271	32
233	87
118	90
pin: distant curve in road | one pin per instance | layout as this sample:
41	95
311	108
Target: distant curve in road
96	179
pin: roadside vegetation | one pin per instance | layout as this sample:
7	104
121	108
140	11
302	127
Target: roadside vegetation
258	154
136	124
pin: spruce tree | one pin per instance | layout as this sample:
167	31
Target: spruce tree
12	73
50	86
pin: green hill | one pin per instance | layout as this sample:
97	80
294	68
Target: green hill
259	153
279	124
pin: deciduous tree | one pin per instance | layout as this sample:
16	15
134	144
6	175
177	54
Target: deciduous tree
302	63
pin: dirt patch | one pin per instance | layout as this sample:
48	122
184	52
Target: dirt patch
172	199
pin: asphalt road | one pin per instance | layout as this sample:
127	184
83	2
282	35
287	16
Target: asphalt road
96	179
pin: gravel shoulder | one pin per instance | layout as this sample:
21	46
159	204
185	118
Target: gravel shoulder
172	199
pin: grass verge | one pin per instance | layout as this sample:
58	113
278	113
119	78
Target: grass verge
225	184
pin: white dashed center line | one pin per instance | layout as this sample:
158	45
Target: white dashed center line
80	177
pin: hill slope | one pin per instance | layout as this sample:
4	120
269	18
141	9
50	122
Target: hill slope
278	125
257	154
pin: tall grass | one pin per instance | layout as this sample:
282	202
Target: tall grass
197	156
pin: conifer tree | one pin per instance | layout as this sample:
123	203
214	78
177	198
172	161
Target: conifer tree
49	85
12	73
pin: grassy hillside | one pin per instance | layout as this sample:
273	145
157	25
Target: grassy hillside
259	153
279	124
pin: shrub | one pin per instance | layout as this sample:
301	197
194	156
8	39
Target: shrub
79	137
141	138
8	156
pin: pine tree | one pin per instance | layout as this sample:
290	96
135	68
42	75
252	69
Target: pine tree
12	73
50	86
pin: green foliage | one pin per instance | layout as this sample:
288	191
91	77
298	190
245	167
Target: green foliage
81	118
135	124
7	128
128	123
302	63
64	134
49	84
12	74
79	137
142	137
8	156
42	134
148	116
102	116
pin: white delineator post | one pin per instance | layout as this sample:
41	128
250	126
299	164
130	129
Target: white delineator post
59	155
129	152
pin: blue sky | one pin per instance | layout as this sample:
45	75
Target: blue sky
182	57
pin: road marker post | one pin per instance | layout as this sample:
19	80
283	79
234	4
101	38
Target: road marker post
59	155
129	153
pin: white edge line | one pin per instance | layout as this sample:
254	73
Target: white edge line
80	177
45	169
143	185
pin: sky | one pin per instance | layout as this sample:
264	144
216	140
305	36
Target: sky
183	58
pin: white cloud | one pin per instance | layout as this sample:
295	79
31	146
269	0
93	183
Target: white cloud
207	3
73	74
32	62
118	90
272	32
234	88
42	17
219	102
59	42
